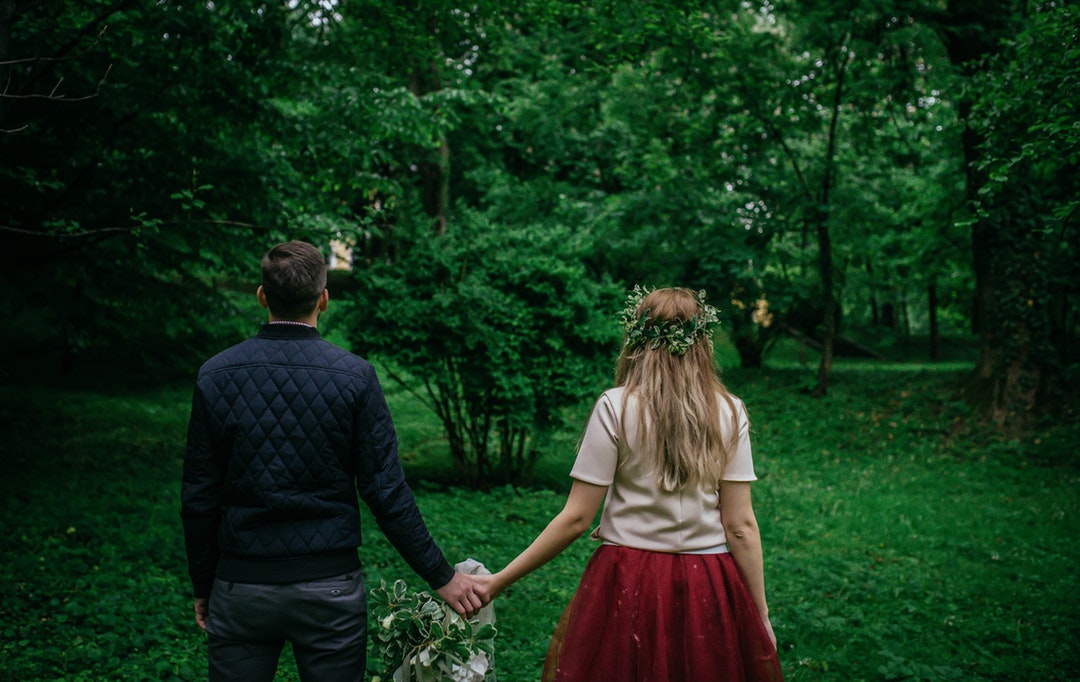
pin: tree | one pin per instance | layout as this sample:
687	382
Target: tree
1021	151
129	215
830	101
121	211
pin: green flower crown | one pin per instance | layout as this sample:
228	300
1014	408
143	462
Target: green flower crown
642	330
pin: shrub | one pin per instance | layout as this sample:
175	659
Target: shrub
501	325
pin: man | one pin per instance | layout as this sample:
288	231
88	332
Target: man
285	429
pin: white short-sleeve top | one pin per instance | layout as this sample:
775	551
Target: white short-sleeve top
637	513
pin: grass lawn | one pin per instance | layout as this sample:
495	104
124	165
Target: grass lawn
903	541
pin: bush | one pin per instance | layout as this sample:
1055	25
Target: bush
502	326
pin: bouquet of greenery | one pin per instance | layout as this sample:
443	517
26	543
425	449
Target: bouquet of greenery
422	639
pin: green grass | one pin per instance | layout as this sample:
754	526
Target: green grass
903	540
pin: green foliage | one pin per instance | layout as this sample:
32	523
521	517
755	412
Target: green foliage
153	151
137	176
852	146
503	329
93	581
427	638
1025	109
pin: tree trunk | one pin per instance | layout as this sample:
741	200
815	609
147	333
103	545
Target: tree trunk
434	174
888	315
972	31
1064	327
868	266
825	258
7	15
1021	338
982	260
828	324
932	308
442	187
750	349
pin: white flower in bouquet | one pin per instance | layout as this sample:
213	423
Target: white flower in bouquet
473	670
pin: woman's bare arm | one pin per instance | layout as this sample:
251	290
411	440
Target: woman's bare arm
568	525
744	542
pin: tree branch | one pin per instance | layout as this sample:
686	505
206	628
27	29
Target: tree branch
830	153
98	21
63	235
425	400
53	96
788	152
97	231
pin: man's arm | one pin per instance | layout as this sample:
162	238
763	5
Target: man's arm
200	504
381	484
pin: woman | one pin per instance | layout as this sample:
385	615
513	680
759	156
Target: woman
676	591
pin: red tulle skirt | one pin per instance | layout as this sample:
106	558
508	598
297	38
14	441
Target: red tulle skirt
652	616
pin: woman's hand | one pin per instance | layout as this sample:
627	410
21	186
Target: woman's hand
492	583
768	628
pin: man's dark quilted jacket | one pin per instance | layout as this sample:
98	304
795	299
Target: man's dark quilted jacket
285	429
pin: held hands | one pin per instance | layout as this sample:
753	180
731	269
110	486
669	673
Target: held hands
491	583
465	594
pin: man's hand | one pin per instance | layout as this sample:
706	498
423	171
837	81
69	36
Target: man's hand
202	610
464	594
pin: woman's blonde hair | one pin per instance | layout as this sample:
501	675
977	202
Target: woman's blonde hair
677	396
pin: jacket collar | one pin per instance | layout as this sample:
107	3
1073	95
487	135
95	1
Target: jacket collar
288	331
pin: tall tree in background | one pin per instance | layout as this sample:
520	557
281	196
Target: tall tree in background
831	92
1020	146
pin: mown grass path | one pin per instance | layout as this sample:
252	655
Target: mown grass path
903	541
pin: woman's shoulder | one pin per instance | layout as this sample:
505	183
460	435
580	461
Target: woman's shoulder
737	401
611	399
614	393
733	403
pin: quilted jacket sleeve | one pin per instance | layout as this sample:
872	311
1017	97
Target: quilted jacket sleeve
200	499
382	486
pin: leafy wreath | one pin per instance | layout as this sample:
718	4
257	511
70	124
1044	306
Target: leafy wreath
642	330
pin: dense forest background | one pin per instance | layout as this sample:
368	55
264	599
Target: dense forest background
850	174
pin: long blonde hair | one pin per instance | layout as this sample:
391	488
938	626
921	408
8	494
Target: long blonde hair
677	398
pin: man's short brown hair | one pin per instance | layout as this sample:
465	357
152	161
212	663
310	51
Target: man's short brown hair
293	278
